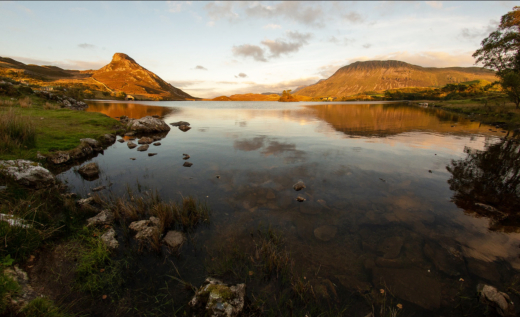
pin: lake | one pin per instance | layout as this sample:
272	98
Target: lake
397	196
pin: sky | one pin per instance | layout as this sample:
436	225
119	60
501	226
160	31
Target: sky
210	49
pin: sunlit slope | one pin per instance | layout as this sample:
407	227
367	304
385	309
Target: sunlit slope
383	75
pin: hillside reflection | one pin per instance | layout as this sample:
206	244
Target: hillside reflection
131	110
486	184
390	119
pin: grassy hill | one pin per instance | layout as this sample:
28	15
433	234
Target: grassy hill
379	76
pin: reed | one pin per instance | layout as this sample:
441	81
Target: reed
15	131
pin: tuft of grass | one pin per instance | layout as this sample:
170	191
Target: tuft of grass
50	106
25	102
7	103
43	307
15	131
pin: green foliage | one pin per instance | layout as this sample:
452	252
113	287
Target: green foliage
15	131
96	271
510	82
8	288
43	307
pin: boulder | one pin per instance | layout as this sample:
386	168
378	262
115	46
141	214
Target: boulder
59	158
139	225
179	123
143	148
218	299
147	125
131	145
110	138
145	140
146	229
91	142
89	171
148	233
109	238
174	239
66	103
490	296
325	233
103	218
299	186
27	173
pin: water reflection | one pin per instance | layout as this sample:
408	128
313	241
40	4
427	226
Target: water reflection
378	210
131	110
486	184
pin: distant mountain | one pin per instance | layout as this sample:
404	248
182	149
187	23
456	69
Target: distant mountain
360	77
122	74
125	74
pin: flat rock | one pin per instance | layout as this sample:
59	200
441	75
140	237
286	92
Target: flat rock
157	143
121	140
148	233
28	173
502	303
179	123
109	238
139	225
325	233
131	145
145	140
105	217
186	157
187	164
93	143
413	285
89	171
147	124
143	148
174	239
152	154
214	298
59	158
299	186
391	247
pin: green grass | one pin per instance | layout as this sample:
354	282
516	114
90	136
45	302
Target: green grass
43	307
8	288
56	129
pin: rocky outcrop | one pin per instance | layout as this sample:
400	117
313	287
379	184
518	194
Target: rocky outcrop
63	101
215	298
490	296
147	124
27	173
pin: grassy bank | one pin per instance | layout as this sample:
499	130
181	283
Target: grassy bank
485	111
30	124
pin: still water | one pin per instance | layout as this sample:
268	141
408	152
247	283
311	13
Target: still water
392	197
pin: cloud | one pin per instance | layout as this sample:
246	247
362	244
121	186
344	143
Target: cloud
65	64
367	45
475	33
279	47
434	4
353	17
176	6
199	67
241	75
300	37
87	46
221	10
276	87
248	145
425	58
345	41
227	82
247	50
184	83
328	70
272	26
287	150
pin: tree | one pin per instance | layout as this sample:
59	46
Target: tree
287	97
500	51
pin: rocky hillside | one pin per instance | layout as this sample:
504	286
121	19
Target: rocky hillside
360	77
125	74
122	74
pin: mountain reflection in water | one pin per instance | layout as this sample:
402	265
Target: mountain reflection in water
377	187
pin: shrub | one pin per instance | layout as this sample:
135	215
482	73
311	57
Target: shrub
15	131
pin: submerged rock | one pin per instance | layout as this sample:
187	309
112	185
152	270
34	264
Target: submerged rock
27	173
89	171
109	238
219	299
300	199
187	164
103	218
184	128
299	186
391	247
143	148
490	296
325	233
147	125
174	239
146	229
